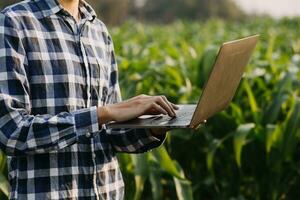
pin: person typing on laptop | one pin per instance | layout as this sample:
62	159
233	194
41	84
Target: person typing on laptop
58	89
136	107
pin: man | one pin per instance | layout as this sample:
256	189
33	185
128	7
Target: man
58	89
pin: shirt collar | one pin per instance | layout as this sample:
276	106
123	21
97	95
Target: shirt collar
51	7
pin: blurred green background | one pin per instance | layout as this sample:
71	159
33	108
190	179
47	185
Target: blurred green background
249	151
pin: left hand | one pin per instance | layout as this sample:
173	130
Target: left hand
162	131
159	131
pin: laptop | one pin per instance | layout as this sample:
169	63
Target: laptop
217	94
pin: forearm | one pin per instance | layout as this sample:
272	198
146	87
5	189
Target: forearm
29	134
134	140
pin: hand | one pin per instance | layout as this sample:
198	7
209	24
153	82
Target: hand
135	107
162	131
159	131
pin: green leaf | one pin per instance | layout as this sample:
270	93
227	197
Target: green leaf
156	186
252	101
205	65
240	139
211	153
140	162
272	112
162	157
214	145
183	187
2	161
273	135
292	126
4	185
237	113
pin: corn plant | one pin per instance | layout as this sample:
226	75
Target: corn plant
249	150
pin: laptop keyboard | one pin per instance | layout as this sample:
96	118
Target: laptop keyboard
184	115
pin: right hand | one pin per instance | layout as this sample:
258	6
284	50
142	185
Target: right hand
135	107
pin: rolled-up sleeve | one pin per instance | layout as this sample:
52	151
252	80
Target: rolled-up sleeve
127	140
21	132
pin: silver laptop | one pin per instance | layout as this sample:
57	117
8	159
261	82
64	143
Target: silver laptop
217	94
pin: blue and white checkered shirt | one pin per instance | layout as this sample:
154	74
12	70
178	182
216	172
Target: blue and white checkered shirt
54	73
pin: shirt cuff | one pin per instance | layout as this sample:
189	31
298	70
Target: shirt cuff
86	121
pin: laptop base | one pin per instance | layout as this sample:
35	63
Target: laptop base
183	120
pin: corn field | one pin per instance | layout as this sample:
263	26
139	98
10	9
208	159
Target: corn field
249	151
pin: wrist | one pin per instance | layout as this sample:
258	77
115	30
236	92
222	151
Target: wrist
104	115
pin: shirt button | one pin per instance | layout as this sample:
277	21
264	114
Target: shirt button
88	134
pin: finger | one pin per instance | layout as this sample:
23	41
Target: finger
160	101
165	105
142	96
175	106
153	111
159	109
169	104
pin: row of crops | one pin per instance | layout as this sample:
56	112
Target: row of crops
249	151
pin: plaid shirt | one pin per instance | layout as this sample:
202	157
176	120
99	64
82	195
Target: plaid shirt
54	73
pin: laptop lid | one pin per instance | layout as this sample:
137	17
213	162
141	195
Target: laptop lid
224	79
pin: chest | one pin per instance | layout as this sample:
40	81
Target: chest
67	65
